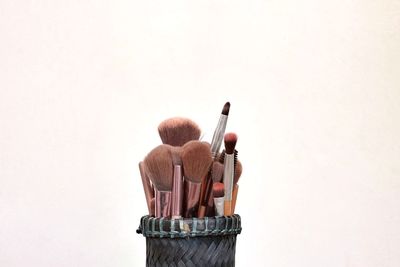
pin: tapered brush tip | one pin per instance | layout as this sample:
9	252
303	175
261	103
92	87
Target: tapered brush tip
230	140
218	190
217	171
225	109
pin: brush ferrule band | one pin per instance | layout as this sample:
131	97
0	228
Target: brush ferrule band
177	192
218	135
191	198
163	203
228	175
219	206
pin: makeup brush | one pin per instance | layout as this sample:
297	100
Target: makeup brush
217	171
196	158
237	174
147	187
221	157
177	187
220	130
230	140
158	165
152	207
178	131
218	193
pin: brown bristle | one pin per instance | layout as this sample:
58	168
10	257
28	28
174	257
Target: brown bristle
178	131
196	159
230	140
158	165
176	155
238	172
217	171
218	190
225	109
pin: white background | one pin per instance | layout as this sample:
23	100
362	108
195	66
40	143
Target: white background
315	93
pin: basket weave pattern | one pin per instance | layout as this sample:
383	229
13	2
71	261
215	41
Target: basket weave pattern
207	242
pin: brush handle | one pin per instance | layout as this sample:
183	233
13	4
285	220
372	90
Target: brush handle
218	135
202	212
227	207
234	197
163	204
147	187
177	193
219	206
228	175
191	199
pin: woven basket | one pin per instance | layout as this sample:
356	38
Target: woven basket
210	241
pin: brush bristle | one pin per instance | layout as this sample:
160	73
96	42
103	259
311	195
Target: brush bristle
196	159
176	155
217	171
221	157
158	165
230	140
218	190
178	131
238	172
225	109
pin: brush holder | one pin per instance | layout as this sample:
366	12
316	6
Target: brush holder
209	241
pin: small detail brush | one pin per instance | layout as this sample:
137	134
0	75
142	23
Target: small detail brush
148	188
220	130
218	193
159	167
196	158
178	131
230	143
237	174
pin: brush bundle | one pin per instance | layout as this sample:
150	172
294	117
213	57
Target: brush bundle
191	191
185	177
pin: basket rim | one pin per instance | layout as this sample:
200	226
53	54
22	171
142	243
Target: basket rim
189	227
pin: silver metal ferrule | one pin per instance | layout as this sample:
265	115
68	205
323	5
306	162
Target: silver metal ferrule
218	135
219	206
228	175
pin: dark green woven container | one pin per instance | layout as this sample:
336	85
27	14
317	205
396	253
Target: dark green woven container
210	241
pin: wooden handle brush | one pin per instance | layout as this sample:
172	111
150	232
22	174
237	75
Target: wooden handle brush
230	143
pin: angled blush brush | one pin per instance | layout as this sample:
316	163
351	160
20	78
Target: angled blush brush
148	188
196	158
236	176
159	167
230	140
178	131
220	130
218	193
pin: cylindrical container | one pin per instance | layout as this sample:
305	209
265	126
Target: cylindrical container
209	241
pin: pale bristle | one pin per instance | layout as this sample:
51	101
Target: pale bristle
225	109
238	172
158	165
218	190
196	159
230	140
176	155
178	131
217	171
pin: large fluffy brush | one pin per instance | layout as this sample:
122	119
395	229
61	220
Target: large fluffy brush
230	143
220	130
178	131
196	159
218	193
147	187
159	167
237	174
177	187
